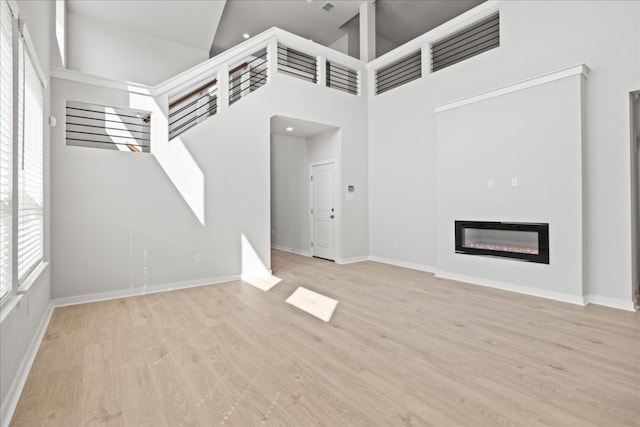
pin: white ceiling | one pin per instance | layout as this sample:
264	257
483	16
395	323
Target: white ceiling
189	22
301	128
301	17
216	25
404	20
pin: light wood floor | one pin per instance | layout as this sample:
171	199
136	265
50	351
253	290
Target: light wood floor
403	349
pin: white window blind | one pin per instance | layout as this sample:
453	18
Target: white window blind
30	166
6	146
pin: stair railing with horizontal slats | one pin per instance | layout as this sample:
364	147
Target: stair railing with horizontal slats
211	87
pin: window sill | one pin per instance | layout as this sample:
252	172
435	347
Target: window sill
32	278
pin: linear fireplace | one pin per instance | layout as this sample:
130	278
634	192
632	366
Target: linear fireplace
523	241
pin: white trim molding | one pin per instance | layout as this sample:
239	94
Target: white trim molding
24	30
352	260
124	293
611	302
580	69
15	390
291	250
410	265
525	290
78	77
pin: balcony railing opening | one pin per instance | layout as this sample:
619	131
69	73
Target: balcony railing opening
247	77
193	107
99	126
297	64
399	72
342	78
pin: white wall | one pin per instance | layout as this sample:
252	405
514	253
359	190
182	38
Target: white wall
384	45
498	142
109	207
325	145
403	158
19	329
341	45
104	50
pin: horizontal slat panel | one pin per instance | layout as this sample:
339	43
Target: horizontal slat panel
408	67
399	73
98	126
250	78
466	43
309	77
486	25
341	78
297	64
71	127
392	69
121	112
194	110
466	55
399	81
189	103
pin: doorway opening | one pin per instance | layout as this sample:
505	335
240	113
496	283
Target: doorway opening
305	187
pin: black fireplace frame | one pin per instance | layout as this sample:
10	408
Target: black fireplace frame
542	229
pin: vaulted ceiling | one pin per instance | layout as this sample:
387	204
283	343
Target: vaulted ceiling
217	25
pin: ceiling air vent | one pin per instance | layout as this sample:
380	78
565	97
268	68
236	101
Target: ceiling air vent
328	6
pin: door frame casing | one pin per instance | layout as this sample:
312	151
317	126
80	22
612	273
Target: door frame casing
634	98
338	201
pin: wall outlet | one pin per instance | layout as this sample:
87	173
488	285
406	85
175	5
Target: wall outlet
491	183
514	181
198	258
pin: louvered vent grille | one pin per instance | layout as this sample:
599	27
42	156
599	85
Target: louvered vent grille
342	78
480	37
328	6
400	72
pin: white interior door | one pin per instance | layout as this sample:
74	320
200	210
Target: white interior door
323	211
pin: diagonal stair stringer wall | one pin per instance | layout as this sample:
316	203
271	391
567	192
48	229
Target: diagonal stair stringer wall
185	214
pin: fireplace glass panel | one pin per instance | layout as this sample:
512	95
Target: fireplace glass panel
525	242
516	240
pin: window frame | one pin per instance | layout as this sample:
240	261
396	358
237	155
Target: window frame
21	49
7	246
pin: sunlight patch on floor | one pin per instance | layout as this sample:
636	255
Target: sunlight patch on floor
263	283
313	303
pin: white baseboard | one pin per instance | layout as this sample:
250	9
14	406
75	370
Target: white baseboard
104	296
611	302
526	290
292	250
352	260
13	395
405	264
